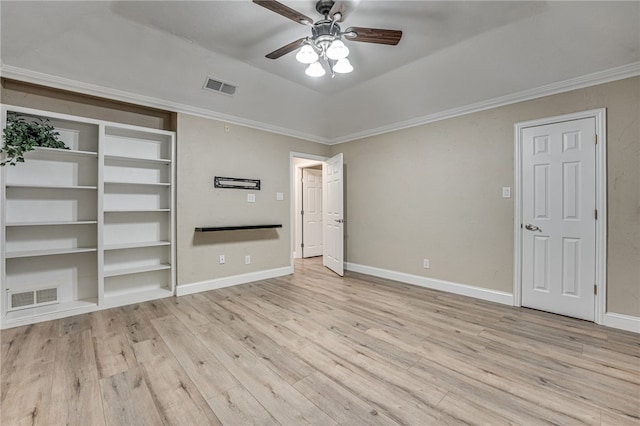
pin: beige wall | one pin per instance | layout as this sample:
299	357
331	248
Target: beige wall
434	191
206	151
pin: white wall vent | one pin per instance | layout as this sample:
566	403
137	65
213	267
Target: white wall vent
32	298
219	86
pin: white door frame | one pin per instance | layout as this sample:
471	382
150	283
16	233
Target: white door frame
600	116
292	198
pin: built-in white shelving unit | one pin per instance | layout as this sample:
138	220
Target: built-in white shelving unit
90	227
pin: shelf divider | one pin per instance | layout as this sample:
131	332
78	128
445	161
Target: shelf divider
48	252
136	270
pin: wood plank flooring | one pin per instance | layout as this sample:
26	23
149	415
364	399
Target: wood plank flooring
316	349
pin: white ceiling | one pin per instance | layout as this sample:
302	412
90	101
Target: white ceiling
451	54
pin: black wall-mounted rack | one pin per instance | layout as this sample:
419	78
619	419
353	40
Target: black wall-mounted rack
235	228
236	183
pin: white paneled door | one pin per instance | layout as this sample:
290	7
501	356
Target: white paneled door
559	218
333	215
312	212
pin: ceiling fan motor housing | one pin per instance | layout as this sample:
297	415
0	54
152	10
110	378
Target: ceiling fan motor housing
325	29
324	6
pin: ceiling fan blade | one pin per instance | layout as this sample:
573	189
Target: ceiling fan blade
374	35
344	8
286	49
285	11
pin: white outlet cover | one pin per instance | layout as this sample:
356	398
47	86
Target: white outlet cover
279	196
251	198
506	192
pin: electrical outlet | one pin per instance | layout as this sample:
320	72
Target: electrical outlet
425	263
222	260
247	260
251	198
506	192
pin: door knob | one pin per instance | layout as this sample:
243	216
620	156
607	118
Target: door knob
531	227
339	220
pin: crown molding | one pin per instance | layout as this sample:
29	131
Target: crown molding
35	77
601	77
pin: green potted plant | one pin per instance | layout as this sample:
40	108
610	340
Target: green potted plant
23	135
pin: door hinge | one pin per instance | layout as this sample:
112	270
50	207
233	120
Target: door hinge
301	212
595	289
595	214
595	139
302	245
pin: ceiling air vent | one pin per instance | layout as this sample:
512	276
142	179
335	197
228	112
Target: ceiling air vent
219	86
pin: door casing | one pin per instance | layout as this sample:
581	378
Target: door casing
601	204
293	208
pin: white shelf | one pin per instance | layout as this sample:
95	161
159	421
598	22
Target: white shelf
37	186
137	159
49	252
63	152
138	211
137	270
117	183
127	246
57	223
138	183
118	299
49	312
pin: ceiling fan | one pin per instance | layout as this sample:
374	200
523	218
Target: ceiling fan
325	42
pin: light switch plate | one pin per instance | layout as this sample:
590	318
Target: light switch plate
279	196
506	192
251	198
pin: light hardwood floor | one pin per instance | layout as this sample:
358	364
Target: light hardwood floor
313	348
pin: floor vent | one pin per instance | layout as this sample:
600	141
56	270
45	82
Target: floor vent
219	86
32	298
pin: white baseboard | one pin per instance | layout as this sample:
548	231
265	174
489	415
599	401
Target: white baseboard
623	322
183	289
434	284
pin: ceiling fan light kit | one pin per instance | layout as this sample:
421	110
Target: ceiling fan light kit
325	44
337	50
315	70
343	66
307	55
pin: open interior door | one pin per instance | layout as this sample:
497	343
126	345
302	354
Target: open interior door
333	218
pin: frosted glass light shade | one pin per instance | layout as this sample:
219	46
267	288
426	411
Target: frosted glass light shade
337	50
315	70
306	55
343	66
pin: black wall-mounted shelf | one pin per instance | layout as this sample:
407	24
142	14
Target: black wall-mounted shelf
235	228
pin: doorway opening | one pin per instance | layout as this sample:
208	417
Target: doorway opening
306	166
331	193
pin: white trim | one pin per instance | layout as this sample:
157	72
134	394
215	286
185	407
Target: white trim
600	116
607	76
622	322
50	316
197	287
601	77
35	77
434	284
